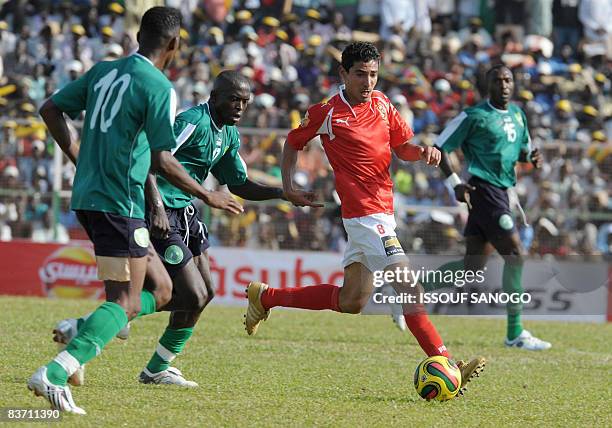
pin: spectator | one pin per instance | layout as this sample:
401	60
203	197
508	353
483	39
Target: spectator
423	116
595	17
566	26
540	19
475	28
564	124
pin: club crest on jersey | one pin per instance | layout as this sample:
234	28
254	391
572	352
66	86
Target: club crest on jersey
217	149
519	119
383	112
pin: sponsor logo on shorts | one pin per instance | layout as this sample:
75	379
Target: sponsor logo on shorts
506	222
392	245
141	236
173	255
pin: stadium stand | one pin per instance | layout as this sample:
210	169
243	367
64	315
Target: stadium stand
435	55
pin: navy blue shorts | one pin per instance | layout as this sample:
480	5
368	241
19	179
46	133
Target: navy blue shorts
490	216
188	238
114	235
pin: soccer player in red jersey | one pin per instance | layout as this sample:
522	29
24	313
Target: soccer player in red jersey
359	127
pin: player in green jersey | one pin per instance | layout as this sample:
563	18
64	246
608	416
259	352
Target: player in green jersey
208	142
125	101
493	136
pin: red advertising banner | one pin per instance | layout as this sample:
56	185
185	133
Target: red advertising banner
69	271
53	270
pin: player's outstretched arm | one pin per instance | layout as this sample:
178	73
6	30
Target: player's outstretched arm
299	198
412	153
253	191
58	127
162	162
408	152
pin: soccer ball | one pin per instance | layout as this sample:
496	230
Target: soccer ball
437	378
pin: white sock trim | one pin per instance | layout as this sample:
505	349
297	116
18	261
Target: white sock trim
68	362
164	353
150	373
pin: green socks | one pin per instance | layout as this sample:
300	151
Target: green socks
147	304
511	283
81	321
97	330
170	345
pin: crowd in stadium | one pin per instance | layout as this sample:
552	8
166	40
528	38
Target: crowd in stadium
435	53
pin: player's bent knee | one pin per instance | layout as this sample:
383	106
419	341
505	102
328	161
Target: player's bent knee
200	299
113	268
196	299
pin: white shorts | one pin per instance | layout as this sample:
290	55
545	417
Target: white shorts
372	241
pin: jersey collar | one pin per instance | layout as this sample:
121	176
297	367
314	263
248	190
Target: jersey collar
341	94
496	109
145	58
211	118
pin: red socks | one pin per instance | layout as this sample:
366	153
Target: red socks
426	334
314	297
325	296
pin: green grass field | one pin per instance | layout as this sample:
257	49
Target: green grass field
325	369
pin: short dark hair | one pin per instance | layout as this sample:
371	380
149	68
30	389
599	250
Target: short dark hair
158	26
230	79
359	52
494	68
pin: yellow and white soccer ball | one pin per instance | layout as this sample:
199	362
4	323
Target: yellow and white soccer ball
437	378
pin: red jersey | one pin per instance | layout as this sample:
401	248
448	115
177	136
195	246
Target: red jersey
357	141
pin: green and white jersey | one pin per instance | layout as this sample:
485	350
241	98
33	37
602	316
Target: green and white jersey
126	101
203	147
491	141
